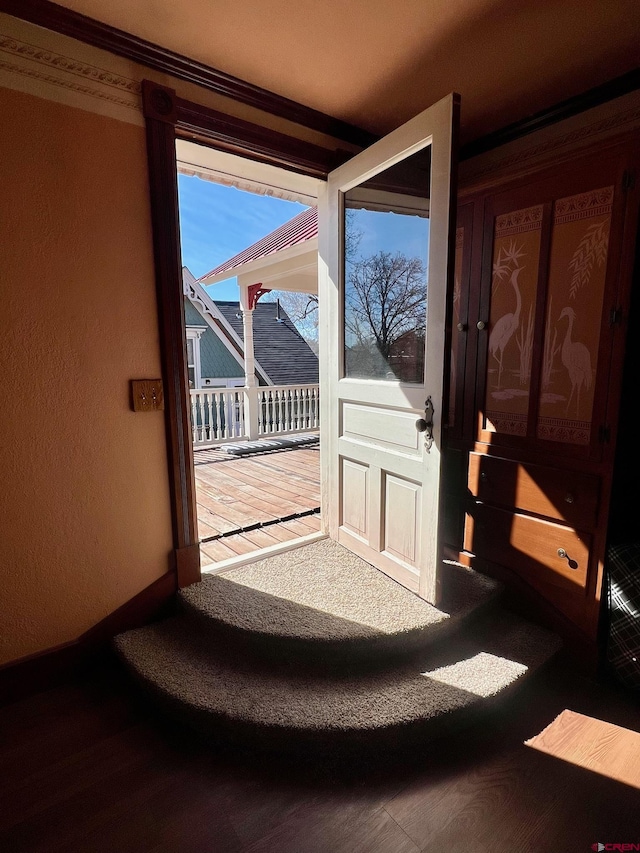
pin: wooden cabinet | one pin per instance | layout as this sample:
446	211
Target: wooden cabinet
543	276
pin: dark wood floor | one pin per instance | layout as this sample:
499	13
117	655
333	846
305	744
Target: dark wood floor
87	768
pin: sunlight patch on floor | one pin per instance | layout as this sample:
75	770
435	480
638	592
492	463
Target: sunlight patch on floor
593	745
482	674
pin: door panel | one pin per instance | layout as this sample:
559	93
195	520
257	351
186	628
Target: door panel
386	428
402	519
355	484
384	235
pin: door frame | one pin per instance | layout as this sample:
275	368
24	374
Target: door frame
169	118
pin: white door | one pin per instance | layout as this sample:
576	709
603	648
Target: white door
384	264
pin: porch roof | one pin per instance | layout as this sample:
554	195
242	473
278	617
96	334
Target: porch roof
286	252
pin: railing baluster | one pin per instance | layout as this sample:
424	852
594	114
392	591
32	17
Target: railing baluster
206	407
272	414
218	416
194	418
260	410
222	406
235	405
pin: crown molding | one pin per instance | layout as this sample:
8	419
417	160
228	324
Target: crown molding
50	15
607	122
83	79
594	97
36	69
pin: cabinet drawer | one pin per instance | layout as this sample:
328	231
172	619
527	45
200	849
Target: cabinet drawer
530	547
569	496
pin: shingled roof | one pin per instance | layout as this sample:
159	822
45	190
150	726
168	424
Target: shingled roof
279	347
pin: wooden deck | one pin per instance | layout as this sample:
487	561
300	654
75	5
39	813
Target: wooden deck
238	492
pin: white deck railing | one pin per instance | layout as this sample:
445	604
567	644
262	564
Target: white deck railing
288	408
217	415
230	414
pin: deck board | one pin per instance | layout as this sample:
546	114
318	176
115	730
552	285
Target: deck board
235	492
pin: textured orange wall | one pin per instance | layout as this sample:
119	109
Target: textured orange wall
84	503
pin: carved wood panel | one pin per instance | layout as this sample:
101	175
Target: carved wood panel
575	292
514	283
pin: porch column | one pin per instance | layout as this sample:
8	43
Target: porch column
250	382
249	356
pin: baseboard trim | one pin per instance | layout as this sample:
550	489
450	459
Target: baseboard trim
52	667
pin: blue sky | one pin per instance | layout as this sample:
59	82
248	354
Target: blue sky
217	222
391	232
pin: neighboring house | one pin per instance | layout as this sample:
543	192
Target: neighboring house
215	352
279	347
215	343
209	361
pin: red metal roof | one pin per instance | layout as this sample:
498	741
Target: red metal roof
302	227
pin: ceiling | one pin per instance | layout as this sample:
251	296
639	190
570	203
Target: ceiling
375	63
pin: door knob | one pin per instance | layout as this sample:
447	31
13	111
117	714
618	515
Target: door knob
480	325
425	424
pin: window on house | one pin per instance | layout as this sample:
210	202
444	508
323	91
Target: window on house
193	357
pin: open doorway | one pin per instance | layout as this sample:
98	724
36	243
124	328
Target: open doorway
250	289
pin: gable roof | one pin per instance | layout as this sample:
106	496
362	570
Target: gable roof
212	315
278	345
296	231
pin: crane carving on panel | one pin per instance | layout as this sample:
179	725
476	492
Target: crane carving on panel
577	277
511	321
504	329
577	362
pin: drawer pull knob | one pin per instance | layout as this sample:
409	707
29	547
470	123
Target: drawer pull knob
483	476
462	327
480	325
564	556
569	498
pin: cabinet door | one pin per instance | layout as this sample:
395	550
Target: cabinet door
514	280
575	293
550	266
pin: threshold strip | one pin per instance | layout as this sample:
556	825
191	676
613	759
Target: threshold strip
260	524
